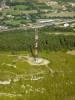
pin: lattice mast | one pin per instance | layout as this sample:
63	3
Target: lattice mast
36	43
3	4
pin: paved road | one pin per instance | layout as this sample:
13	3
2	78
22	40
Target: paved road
40	25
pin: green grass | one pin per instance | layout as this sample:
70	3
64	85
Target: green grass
50	86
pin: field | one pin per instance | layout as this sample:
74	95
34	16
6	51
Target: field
21	81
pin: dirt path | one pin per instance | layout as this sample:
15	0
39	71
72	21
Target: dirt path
71	52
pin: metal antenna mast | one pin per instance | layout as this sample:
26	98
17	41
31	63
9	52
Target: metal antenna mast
36	43
36	60
3	4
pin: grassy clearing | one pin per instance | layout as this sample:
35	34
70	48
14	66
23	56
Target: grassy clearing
30	82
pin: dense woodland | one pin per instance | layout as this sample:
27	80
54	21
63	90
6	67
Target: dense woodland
23	40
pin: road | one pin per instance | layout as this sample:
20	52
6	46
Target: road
40	25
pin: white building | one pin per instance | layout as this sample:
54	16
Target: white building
66	25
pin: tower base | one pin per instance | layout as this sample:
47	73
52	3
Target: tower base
37	61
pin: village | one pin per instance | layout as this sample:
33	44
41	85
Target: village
24	15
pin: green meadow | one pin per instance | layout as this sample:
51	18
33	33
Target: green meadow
53	82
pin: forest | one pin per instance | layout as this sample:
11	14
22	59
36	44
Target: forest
23	40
